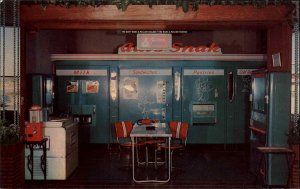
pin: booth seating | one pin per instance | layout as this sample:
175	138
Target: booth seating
123	130
179	132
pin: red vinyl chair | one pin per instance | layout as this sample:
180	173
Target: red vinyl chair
179	132
123	130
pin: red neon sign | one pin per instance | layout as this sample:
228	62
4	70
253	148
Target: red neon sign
130	48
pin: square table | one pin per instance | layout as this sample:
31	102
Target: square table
160	130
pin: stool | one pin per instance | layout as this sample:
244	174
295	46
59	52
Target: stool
276	150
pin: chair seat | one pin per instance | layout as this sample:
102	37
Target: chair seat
126	142
172	146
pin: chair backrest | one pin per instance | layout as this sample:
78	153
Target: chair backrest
123	129
179	130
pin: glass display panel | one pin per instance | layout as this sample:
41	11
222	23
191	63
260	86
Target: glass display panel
259	92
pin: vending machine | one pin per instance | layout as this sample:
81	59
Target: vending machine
35	127
269	123
82	92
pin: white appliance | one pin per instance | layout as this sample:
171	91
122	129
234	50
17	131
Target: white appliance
62	151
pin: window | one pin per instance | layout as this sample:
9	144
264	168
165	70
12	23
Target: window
293	88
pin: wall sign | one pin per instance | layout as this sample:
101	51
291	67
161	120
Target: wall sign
177	48
146	72
206	72
154	41
245	71
276	60
81	72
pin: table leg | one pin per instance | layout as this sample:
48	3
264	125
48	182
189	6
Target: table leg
132	158
133	139
169	170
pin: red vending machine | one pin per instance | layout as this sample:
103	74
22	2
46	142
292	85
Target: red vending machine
35	127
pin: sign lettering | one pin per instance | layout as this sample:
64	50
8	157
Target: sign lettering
177	48
81	72
244	71
206	72
146	72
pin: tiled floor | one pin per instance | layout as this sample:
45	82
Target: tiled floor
198	166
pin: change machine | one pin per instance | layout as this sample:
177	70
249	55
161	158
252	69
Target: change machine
269	123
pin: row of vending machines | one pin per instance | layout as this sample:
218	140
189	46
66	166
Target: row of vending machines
212	96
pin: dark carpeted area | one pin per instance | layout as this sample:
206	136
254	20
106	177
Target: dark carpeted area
197	166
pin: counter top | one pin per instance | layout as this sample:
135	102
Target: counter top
60	122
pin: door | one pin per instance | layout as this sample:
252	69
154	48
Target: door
145	93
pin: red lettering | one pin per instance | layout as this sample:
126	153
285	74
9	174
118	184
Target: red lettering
200	49
126	47
189	48
144	72
176	47
195	72
135	49
213	48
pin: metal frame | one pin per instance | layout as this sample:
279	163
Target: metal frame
134	137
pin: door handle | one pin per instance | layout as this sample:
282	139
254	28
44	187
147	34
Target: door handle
230	86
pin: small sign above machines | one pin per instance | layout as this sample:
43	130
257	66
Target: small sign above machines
80	72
